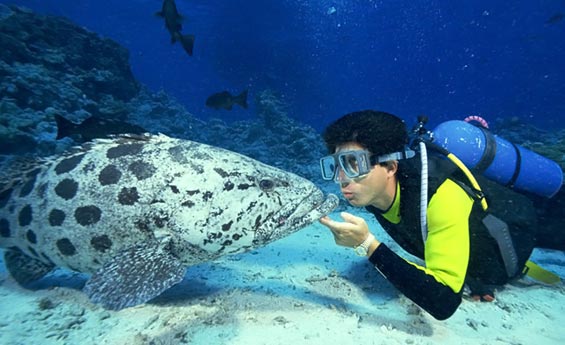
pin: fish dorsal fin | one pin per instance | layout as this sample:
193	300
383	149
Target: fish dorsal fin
129	138
14	169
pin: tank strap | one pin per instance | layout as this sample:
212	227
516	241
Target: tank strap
498	229
512	181
490	151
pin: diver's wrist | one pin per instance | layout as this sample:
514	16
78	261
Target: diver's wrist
372	247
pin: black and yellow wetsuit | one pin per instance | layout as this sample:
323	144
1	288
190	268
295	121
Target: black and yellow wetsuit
458	248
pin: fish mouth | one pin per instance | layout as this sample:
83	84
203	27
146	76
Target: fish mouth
294	217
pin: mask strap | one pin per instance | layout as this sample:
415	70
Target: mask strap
396	156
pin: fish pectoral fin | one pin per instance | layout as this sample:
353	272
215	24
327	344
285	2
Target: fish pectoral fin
25	269
134	276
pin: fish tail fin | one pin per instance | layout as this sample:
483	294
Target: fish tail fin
241	99
64	127
175	37
25	269
187	42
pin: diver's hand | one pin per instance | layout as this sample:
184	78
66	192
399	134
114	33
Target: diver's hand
349	233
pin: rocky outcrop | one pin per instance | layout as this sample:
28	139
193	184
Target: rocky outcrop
49	65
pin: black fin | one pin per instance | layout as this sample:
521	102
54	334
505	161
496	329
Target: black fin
187	42
25	269
242	99
65	127
134	276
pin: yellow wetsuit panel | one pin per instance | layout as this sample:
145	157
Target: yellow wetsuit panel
447	247
446	253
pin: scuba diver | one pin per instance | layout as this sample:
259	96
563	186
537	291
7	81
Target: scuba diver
468	230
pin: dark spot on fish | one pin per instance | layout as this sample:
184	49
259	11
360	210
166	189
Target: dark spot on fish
56	217
32	251
251	206
244	186
66	247
227	226
207	196
197	168
221	172
228	186
128	196
96	261
227	243
87	215
25	217
160	221
101	243
68	164
236	237
67	189
28	186
174	189
4	228
31	237
212	237
187	203
124	150
216	213
143	226
258	222
42	189
142	170
178	154
192	192
109	175
5	196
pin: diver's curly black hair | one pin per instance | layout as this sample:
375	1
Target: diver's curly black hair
376	131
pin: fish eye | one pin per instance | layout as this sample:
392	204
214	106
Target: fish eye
266	185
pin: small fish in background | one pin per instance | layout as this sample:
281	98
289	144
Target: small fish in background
556	18
187	42
173	23
94	127
226	100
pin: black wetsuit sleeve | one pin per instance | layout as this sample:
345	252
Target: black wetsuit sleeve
437	299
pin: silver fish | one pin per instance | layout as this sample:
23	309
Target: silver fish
135	211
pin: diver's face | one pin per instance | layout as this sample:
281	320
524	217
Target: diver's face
370	189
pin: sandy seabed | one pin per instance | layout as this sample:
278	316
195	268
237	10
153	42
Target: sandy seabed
300	290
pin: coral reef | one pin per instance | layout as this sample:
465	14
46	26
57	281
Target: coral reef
49	65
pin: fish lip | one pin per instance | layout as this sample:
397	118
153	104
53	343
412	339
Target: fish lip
296	218
328	204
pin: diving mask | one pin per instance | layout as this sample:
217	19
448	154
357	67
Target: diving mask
355	164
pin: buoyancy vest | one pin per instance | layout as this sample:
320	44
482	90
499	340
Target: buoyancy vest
486	262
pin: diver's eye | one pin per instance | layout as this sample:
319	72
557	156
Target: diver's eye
266	185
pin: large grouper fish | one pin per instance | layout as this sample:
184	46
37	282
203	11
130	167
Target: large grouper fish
135	211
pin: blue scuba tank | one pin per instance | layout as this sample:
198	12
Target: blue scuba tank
498	159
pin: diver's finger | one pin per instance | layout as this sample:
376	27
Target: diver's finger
348	217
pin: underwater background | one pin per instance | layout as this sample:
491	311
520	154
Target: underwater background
303	65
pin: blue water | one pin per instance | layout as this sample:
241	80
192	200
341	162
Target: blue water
445	59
